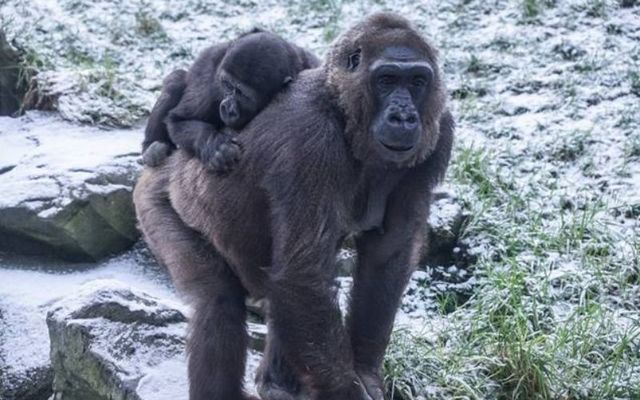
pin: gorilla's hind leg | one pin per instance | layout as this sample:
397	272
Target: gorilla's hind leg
275	379
218	338
217	342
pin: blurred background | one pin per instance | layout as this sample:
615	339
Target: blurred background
529	288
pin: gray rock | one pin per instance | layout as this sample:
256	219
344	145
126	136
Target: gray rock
24	374
11	92
32	384
66	189
444	228
111	342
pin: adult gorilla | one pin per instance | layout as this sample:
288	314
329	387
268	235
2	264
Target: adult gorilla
351	148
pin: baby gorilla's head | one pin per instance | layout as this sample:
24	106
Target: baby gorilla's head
255	68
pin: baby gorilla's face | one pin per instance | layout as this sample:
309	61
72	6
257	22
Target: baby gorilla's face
240	103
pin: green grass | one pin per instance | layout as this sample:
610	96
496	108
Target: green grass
543	322
530	8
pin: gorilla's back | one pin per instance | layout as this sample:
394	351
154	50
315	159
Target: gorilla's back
299	131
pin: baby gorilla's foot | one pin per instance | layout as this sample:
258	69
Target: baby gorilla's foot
220	153
155	154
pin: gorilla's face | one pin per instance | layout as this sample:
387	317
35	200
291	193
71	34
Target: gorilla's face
240	103
399	81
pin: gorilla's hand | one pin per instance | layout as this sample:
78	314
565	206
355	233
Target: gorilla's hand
155	154
372	383
219	152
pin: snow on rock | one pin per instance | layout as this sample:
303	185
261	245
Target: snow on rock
108	339
27	290
66	189
444	227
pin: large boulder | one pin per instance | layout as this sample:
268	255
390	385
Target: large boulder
112	342
109	341
11	91
66	189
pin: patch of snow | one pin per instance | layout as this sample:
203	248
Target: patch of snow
54	161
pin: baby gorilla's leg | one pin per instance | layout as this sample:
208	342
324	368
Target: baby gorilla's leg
156	153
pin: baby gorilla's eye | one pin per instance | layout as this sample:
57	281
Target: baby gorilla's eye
227	86
354	60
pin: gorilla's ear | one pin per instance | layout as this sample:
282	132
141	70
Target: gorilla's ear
287	80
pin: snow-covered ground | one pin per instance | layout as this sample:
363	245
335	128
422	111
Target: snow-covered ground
28	290
546	94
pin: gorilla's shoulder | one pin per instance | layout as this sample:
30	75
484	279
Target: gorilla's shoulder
300	129
309	96
302	114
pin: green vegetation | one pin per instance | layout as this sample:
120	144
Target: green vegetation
541	323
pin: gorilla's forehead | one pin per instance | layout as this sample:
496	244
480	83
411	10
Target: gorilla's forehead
400	53
400	56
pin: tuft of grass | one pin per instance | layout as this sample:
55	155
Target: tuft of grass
530	8
632	146
629	3
596	8
148	25
634	78
474	65
570	147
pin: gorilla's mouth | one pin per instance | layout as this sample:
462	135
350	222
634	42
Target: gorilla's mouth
397	148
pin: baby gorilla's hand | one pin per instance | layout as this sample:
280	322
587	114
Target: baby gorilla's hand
220	152
155	154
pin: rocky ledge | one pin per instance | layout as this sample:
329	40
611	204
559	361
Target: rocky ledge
66	189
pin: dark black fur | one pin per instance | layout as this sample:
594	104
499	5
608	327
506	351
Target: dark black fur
156	145
317	167
227	86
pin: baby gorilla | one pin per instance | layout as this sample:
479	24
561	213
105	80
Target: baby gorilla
227	85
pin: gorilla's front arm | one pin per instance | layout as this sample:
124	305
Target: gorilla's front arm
308	220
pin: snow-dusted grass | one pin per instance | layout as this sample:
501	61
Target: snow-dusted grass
547	162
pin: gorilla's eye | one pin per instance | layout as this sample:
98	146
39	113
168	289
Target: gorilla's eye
419	81
227	86
354	60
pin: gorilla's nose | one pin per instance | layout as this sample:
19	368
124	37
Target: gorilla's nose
230	112
403	118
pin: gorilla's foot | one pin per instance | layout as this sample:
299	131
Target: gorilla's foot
372	383
155	154
275	383
271	391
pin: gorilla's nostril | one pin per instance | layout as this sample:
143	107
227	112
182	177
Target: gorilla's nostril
395	119
412	119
